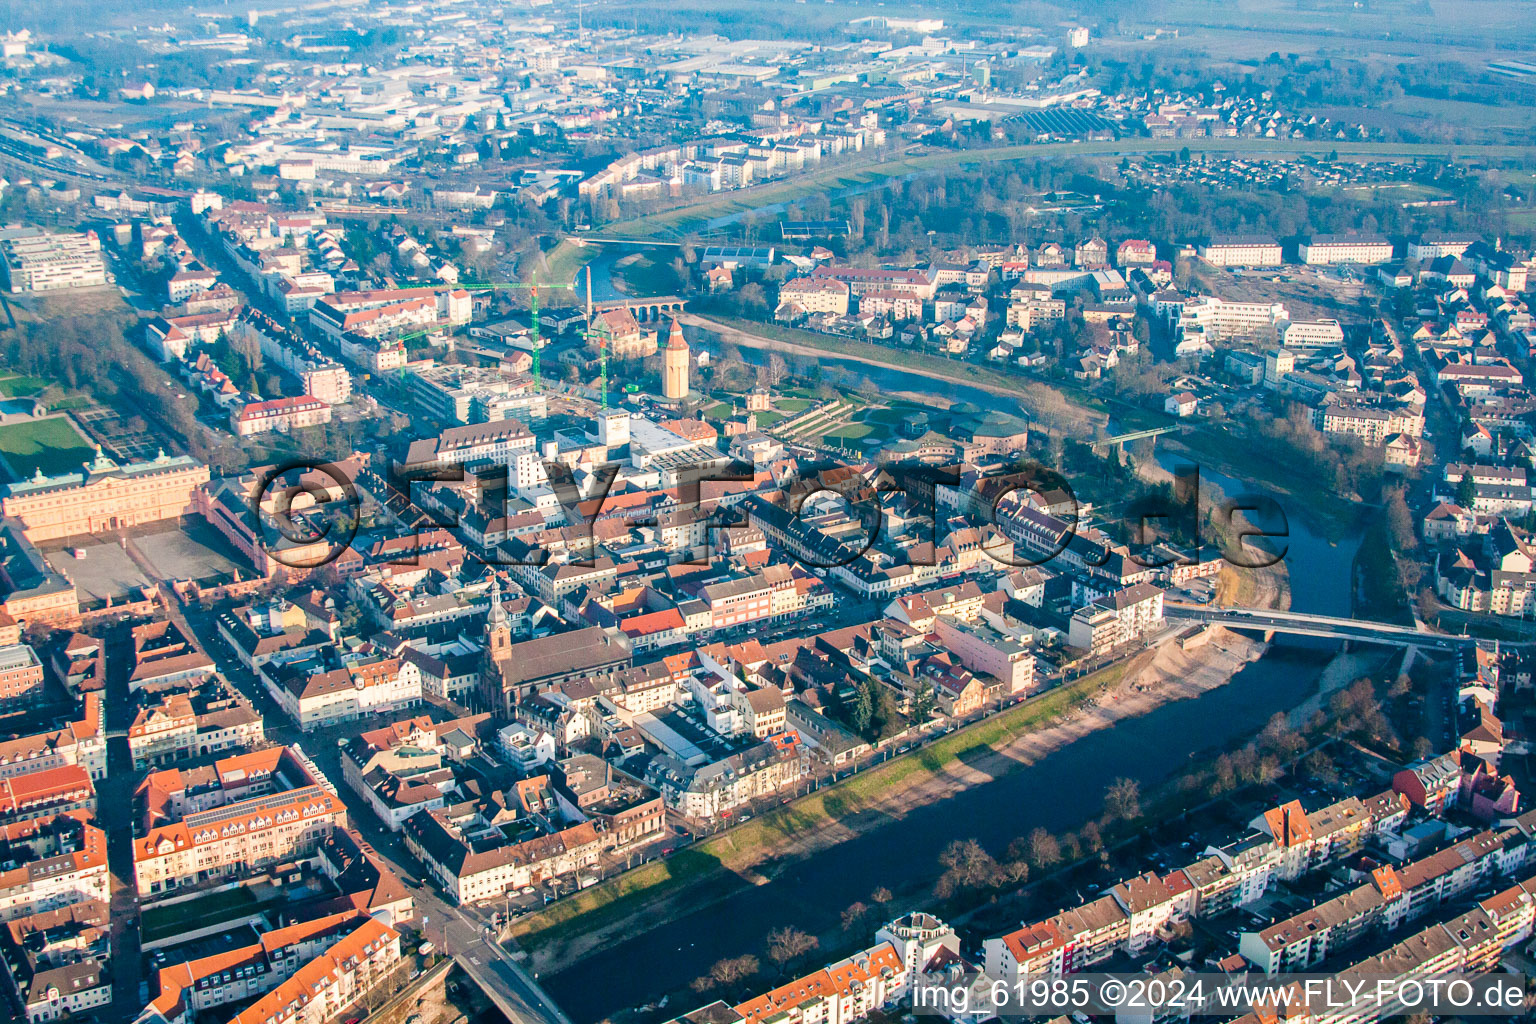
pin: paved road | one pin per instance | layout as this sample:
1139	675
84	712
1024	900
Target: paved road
1317	625
114	813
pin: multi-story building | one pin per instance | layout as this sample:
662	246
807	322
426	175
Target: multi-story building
343	686
53	862
280	414
251	812
501	441
104	497
54	958
1322	333
1117	618
163	655
82	742
177	721
45	793
1135	252
839	993
1033	314
189	282
815	295
919	283
475	871
707	790
1373	424
1433	244
1217	318
42	261
897	305
1241	251
21	677
340	977
1364	248
193	987
474	395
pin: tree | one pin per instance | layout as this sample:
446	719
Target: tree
1279	738
730	971
1466	491
923	705
862	713
855	914
1400	520
967	866
1122	800
881	895
1044	850
788	944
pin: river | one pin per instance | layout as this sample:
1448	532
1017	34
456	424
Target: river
813	893
1150	748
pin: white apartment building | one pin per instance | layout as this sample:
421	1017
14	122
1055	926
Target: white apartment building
1320	250
1432	246
1217	318
41	261
816	295
1241	251
318	699
1372	424
1322	333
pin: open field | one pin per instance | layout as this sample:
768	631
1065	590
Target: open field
712	868
681	221
18	386
565	260
53	444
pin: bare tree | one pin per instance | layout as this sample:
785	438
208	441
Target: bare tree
1044	850
733	970
1122	800
881	895
788	944
967	866
855	915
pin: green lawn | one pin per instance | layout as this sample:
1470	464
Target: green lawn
16	385
849	432
566	260
790	406
768	419
214	908
53	445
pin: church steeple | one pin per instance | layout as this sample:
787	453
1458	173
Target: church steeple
498	633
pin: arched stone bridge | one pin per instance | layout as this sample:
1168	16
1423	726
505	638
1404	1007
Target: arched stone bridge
646	311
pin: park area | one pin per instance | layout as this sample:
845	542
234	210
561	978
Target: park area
52	444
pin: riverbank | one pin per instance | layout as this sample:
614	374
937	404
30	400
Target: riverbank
1269	587
1049	407
756	853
